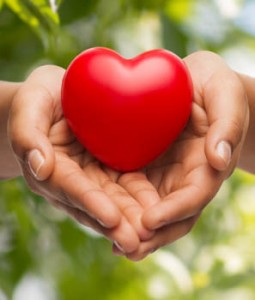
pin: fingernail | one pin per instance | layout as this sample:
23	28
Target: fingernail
35	162
119	246
224	151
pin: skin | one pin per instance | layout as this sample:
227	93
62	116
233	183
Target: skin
246	161
190	173
139	211
9	166
70	177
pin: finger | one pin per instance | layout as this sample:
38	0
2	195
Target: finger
31	116
76	214
123	236
134	214
131	208
201	186
140	188
226	107
72	183
164	236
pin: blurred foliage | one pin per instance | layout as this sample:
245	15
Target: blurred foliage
44	252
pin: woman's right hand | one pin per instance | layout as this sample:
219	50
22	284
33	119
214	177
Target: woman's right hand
56	166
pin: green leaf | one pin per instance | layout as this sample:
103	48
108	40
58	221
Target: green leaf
40	15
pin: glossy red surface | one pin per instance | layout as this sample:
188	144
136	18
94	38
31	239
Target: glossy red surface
126	112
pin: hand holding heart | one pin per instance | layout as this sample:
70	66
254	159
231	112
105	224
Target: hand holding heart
140	210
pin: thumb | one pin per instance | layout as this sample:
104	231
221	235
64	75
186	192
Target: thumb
227	109
31	116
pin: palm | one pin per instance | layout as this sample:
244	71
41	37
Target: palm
185	182
184	158
94	184
72	157
182	176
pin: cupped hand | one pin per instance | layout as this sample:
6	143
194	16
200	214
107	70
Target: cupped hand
191	172
57	167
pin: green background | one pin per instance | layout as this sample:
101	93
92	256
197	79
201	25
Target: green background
43	254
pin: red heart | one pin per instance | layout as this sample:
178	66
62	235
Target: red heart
126	112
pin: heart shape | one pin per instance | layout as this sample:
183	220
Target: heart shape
126	112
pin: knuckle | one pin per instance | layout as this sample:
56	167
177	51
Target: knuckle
233	128
236	128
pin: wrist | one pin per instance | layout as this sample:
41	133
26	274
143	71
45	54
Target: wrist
247	161
7	92
9	167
